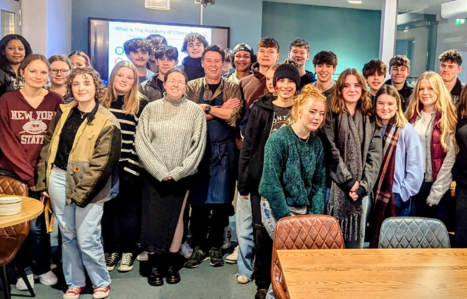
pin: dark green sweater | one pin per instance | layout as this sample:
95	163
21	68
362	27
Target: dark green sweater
294	173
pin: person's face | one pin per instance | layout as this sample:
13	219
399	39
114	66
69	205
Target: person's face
352	90
427	94
212	64
195	48
267	56
312	115
286	88
15	51
375	81
166	64
36	74
78	62
226	67
324	72
449	70
59	72
242	61
386	107
175	86
83	88
399	74
139	57
270	80
124	80
299	54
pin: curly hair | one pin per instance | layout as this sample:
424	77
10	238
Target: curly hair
451	55
86	72
214	48
269	42
399	60
374	66
135	44
167	51
338	101
309	93
191	38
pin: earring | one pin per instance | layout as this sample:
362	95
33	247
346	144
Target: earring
276	88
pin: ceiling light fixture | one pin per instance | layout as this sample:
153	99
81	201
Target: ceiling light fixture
157	4
355	1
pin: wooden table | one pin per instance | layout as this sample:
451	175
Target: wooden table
375	273
31	209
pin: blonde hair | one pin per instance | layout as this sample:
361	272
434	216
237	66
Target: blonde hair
338	102
448	120
400	120
309	93
131	101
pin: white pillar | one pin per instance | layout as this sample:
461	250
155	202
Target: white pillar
387	40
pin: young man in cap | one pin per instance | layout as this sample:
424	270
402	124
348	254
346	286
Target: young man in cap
299	51
399	69
244	57
325	64
450	67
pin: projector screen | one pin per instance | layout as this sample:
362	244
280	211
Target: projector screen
106	39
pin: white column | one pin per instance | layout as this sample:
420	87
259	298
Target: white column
387	40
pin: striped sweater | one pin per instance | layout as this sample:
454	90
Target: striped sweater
128	123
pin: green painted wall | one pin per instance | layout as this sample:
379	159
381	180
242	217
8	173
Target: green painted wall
352	34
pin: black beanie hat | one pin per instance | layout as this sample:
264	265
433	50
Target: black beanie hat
288	71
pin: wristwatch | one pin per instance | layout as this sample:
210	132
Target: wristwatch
207	109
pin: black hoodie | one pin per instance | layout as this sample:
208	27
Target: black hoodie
258	130
307	79
193	68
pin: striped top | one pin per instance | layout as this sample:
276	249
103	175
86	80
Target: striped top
128	123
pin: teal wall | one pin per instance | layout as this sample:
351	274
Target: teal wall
242	16
352	34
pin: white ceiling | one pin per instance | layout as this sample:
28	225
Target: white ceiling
415	6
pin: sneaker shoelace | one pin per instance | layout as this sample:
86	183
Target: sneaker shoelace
111	258
126	259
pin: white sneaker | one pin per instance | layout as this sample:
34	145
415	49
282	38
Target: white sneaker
126	264
143	256
185	250
228	232
48	279
243	279
232	258
21	285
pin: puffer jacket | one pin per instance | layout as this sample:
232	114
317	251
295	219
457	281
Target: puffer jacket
92	172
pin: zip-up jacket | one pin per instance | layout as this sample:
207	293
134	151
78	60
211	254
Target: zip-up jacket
150	89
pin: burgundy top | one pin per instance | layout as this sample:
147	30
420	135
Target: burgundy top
22	130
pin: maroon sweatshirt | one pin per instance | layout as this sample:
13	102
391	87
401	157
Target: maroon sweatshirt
22	130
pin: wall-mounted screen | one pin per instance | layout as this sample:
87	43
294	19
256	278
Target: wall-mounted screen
106	39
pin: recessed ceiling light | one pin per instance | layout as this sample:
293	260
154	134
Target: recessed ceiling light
354	1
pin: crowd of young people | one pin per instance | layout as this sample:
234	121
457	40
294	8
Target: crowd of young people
164	139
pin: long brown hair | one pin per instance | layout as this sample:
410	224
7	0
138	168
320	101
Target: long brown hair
338	102
399	118
131	101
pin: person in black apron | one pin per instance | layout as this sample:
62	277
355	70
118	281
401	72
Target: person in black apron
214	184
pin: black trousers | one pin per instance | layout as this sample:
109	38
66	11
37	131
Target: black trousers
121	219
199	224
421	209
461	219
263	246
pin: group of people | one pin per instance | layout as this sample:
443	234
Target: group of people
124	164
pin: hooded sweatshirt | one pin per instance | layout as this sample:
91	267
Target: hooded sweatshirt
253	86
193	68
307	79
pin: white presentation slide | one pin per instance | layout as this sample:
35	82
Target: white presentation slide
120	32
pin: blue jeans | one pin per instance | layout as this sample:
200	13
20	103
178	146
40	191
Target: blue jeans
402	208
81	236
244	219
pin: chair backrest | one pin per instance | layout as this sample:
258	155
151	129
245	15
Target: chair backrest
413	232
302	232
12	237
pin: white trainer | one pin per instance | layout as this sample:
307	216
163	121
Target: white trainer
48	279
21	285
143	256
232	258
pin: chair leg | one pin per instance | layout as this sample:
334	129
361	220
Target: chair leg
25	278
6	284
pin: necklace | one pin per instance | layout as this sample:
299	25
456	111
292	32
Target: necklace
82	114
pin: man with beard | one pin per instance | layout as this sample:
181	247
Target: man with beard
450	67
325	64
299	51
138	51
244	57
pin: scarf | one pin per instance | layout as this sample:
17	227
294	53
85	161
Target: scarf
352	147
384	205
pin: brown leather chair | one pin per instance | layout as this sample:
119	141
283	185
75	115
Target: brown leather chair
12	237
302	232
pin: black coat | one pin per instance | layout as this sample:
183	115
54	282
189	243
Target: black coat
258	130
5	83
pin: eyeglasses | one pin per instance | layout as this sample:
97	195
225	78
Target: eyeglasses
172	82
63	72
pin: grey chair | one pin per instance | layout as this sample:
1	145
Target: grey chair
413	232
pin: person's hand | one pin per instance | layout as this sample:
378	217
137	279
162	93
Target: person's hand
429	204
231	103
355	187
168	178
33	188
353	195
244	197
45	194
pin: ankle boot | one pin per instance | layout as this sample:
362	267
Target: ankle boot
173	276
156	278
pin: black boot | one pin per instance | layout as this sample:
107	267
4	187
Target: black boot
173	276
156	277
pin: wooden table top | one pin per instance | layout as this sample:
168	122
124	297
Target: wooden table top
375	273
31	209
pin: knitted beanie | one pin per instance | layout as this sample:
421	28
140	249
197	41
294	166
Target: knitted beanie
287	71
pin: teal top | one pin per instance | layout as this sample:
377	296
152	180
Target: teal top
294	174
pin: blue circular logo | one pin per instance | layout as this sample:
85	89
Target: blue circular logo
119	50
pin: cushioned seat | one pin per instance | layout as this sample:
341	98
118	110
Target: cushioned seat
413	232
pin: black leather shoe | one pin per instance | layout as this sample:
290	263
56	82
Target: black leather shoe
156	279
173	276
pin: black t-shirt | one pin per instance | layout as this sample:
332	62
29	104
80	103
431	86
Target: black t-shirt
213	87
67	137
281	118
160	84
